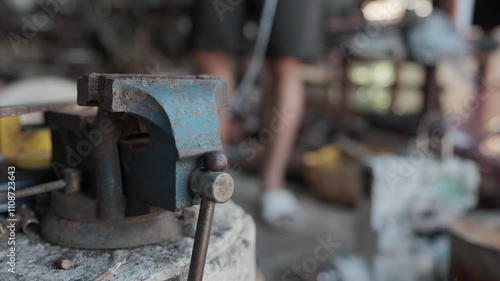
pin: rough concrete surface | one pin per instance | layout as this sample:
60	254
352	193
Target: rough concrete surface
231	256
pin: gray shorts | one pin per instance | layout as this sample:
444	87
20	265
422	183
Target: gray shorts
297	29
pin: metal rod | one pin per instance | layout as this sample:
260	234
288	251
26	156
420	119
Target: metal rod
15	110
201	239
34	190
109	186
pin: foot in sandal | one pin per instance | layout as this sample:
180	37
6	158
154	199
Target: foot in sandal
280	209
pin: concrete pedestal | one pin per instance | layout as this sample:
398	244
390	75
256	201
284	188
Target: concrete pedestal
231	256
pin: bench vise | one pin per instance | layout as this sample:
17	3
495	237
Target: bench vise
152	141
141	150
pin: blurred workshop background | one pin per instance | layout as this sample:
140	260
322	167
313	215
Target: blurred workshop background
397	162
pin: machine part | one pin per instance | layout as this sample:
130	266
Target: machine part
135	152
215	161
201	239
213	187
72	178
110	234
31	226
109	187
41	188
180	114
26	221
475	247
140	150
35	190
75	206
15	110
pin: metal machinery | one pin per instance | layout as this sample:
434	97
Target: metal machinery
150	149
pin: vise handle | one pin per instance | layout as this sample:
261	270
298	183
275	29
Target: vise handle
213	186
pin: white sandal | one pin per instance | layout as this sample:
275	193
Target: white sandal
280	209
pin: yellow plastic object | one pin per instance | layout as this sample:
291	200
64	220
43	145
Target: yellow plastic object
326	155
333	175
29	149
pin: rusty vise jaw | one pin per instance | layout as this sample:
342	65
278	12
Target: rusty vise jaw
180	114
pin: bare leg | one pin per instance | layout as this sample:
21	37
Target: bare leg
218	63
282	115
268	101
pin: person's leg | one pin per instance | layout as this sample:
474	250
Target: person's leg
214	62
283	106
295	38
282	111
218	63
216	36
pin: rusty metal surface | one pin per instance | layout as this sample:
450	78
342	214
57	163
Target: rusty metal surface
35	190
71	118
215	186
15	110
201	240
212	186
72	177
28	220
91	212
135	151
109	187
92	85
475	247
110	234
160	129
215	161
74	206
180	114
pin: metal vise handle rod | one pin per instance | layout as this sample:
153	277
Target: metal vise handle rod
213	186
202	237
35	190
70	183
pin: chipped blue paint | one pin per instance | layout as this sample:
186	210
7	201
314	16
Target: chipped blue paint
181	116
